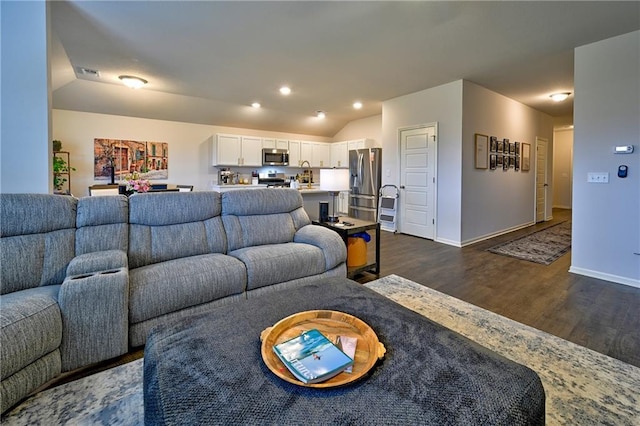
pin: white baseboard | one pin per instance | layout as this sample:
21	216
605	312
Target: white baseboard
606	277
495	234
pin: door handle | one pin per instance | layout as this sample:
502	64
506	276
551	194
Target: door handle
401	186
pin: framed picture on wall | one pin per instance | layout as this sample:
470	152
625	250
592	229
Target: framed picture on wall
492	161
482	151
526	157
505	163
499	160
493	144
517	145
517	163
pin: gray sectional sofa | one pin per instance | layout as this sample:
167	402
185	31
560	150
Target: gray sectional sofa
84	280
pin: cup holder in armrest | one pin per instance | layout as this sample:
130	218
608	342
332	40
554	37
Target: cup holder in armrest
81	277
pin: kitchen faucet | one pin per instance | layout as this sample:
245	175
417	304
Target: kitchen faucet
306	173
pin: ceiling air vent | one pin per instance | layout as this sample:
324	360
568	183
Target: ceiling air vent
87	72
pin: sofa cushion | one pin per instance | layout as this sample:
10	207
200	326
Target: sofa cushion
33	260
166	287
262	216
277	263
38	234
102	224
31	327
174	225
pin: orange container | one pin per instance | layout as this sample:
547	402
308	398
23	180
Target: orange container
356	251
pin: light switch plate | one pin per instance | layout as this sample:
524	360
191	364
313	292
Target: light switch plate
598	177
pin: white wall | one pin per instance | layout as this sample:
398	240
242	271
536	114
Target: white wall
562	168
494	201
369	128
25	148
441	105
606	217
189	144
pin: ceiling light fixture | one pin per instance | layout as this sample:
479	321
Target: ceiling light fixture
285	90
320	114
357	105
559	97
133	81
256	105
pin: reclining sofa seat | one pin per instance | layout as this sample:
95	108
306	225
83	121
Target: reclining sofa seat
270	232
52	320
177	260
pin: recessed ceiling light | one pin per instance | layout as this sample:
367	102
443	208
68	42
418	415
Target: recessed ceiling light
132	81
320	114
559	97
285	90
357	105
256	105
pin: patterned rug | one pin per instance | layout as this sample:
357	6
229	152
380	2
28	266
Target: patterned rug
540	247
582	387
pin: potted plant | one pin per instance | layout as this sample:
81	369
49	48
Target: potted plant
61	169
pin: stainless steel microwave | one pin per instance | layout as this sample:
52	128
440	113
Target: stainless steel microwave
275	157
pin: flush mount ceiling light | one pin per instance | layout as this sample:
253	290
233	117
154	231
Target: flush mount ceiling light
133	81
320	114
285	90
357	105
256	105
559	97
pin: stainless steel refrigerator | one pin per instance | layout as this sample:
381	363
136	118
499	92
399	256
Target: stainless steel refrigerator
365	170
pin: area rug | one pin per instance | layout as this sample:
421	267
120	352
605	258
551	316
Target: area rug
543	246
582	387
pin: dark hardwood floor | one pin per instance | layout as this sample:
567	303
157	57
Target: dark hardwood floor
599	315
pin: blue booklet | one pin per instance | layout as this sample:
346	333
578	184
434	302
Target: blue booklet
311	357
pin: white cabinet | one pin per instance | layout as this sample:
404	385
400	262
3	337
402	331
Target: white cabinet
306	152
269	143
340	155
226	150
361	143
251	151
343	203
236	150
282	144
294	154
321	154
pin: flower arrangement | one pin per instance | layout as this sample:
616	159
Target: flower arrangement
136	184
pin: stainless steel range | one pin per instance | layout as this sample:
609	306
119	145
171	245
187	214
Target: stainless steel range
273	180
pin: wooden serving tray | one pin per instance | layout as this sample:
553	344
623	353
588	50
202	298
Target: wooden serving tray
331	324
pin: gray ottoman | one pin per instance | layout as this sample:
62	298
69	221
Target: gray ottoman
207	369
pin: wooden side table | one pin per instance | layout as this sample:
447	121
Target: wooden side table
347	230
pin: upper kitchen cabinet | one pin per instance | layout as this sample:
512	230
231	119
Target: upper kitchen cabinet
236	150
282	144
321	154
295	157
361	143
268	143
340	154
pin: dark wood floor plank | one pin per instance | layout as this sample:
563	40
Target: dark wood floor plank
597	314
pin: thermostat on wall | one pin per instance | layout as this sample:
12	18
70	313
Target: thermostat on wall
623	149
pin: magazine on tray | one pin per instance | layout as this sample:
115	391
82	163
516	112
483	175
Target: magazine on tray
311	357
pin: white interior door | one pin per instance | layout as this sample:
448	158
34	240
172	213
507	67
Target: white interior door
417	182
542	185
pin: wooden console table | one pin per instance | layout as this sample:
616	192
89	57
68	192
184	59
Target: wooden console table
346	231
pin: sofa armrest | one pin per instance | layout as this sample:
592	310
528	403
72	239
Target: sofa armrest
95	314
332	245
90	263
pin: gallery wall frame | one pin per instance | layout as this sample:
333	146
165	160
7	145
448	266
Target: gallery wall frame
526	157
482	151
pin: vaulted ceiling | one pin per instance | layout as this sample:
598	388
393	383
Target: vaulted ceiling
206	62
